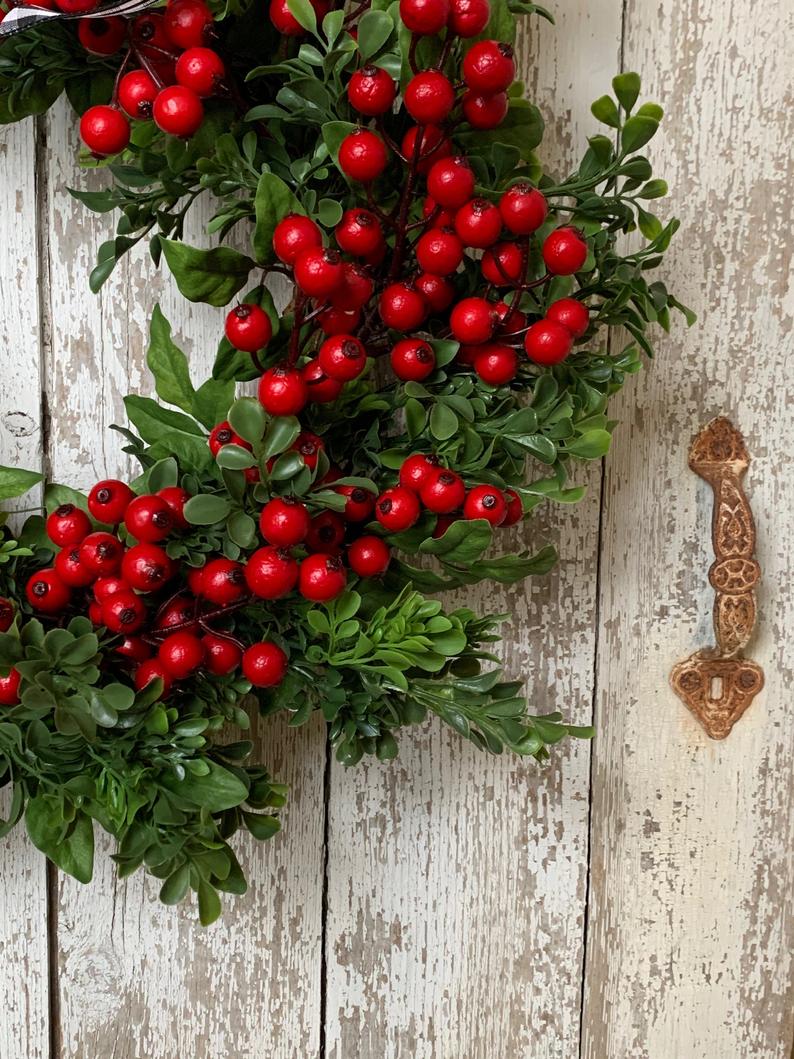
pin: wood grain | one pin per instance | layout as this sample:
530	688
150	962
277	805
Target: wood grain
456	886
692	921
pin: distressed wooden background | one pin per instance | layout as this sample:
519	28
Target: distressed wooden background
632	900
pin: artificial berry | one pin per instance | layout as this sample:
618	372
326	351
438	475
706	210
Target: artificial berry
178	111
402	307
484	111
187	22
292	235
201	70
339	321
149	30
468	18
76	7
320	388
369	556
489	67
46	592
437	291
105	587
547	342
69	568
430	143
195	579
362	156
359	232
271	572
358	502
284	20
412	359
146	567
326	533
572	314
416	469
223	582
178	613
496	364
515	509
450	182
342	357
95	613
485	501
248	327
282	391
137	93
473	321
68	524
564	251
134	648
101	553
371	91
284	521
264	664
439	252
221	655
503	265
478	223
181	654
148	518
318	272
467	355
123	612
104	130
9	688
176	498
429	97
426	17
523	209
222	434
150	670
354	291
511	320
308	446
102	36
322	577
108	501
434	214
6	614
397	509
443	491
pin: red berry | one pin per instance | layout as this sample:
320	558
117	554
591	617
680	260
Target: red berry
432	146
318	272
412	359
416	470
450	182
439	251
503	264
485	111
69	568
264	664
358	504
149	30
146	567
339	321
248	328
564	251
496	364
443	522
221	435
68	525
102	36
309	446
9	688
359	232
362	156
76	7
201	70
187	22
7	612
424	16
371	91
181	654
123	612
284	20
355	290
105	587
478	223
547	342
402	307
152	669
320	388
488	67
523	209
434	215
322	577
429	97
178	111
515	509
284	521
473	321
468	18
292	235
108	501
195	579
221	655
223	581
326	533
397	509
104	130
271	573
46	592
179	613
443	492
282	391
488	502
437	291
134	648
342	357
176	498
95	613
148	519
369	556
137	93
572	314
511	320
101	553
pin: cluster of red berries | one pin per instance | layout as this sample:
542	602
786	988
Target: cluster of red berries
167	71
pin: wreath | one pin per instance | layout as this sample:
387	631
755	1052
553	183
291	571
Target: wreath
437	367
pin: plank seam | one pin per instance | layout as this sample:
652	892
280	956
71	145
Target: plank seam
323	1043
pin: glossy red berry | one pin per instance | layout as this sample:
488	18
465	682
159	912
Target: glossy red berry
478	223
46	592
309	446
148	518
187	22
397	509
282	391
9	688
371	91
473	321
179	613
102	36
468	18
515	509
322	577
443	492
248	327
485	111
7	612
108	501
318	272
69	568
201	70
342	357
264	664
68	524
136	94
181	654
564	251
430	142
284	521
362	156
416	469
176	498
547	342
150	670
76	7
283	19
435	215
134	648
339	321
326	533
355	290
149	30
222	434
221	655
402	307
104	130
358	502
523	209
101	553
146	567
369	556
292	235
486	501
178	111
426	17
496	364
412	359
503	265
439	252
105	587
319	387
359	232
223	581
489	67
450	182
511	320
123	612
271	573
572	314
429	97
437	291
95	613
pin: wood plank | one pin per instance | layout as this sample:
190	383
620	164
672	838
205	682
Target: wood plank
690	951
23	881
136	978
457	881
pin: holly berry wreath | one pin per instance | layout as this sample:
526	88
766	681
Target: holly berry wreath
435	369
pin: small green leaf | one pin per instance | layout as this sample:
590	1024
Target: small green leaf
248	418
176	886
273	201
605	110
443	422
627	89
206	509
591	445
637	131
304	13
168	364
213	276
374	29
209	903
281	434
14	481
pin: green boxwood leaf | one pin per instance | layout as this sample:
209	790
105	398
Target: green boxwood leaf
213	276
627	88
374	29
206	509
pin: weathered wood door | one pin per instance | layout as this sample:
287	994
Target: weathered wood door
632	900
